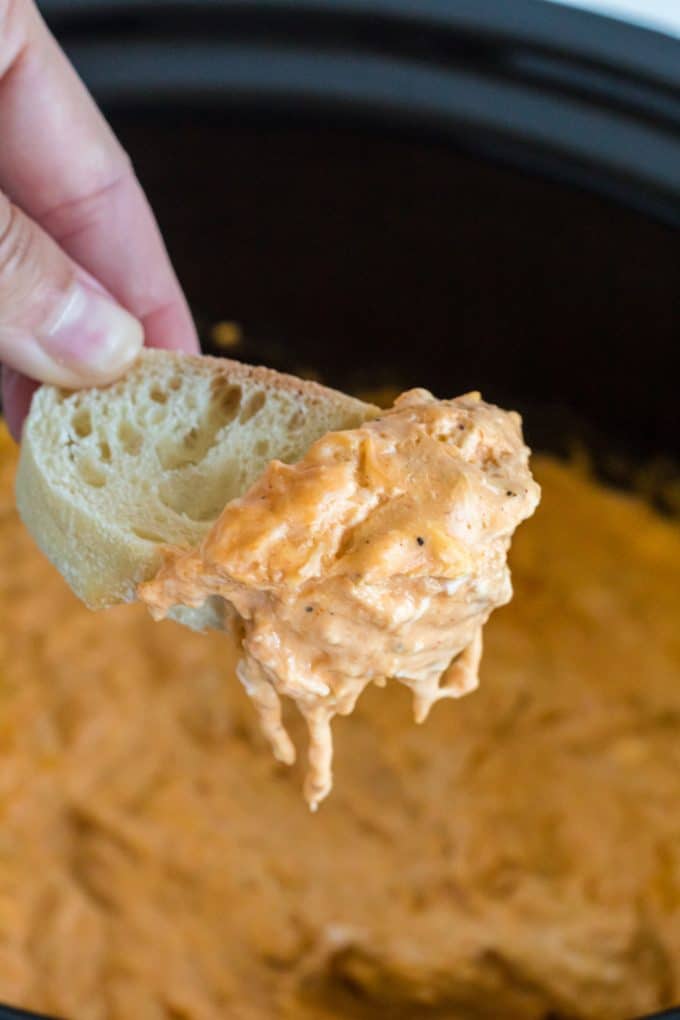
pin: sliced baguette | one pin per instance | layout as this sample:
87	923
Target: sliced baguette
109	476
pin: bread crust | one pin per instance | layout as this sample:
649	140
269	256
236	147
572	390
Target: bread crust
86	534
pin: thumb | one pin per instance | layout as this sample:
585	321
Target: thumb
57	324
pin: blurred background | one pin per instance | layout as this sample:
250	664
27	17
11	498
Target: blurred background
454	194
663	15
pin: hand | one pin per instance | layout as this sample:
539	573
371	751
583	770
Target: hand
84	275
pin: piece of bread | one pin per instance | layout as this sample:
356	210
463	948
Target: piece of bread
108	476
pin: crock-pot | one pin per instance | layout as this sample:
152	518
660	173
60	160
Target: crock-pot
451	193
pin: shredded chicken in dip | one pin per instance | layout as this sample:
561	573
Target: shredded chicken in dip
379	555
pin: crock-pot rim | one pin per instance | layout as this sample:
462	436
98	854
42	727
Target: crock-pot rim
571	94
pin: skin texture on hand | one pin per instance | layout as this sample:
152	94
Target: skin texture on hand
84	274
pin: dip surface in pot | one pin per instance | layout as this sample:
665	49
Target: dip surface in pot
518	855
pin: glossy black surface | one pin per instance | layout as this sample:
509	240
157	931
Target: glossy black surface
459	194
583	97
378	258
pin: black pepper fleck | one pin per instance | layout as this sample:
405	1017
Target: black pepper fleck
509	492
309	609
420	540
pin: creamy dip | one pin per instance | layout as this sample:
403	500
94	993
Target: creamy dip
517	858
379	555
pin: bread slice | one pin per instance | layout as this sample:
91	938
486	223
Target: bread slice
108	476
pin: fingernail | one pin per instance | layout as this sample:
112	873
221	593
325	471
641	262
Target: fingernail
92	339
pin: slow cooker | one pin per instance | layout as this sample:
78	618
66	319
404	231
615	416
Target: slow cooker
469	194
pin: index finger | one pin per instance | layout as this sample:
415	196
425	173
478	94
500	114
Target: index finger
61	163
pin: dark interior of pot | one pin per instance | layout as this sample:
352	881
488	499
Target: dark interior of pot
379	259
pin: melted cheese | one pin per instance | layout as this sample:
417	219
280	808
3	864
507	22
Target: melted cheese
516	857
379	555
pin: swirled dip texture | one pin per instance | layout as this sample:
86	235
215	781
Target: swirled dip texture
379	555
517	858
